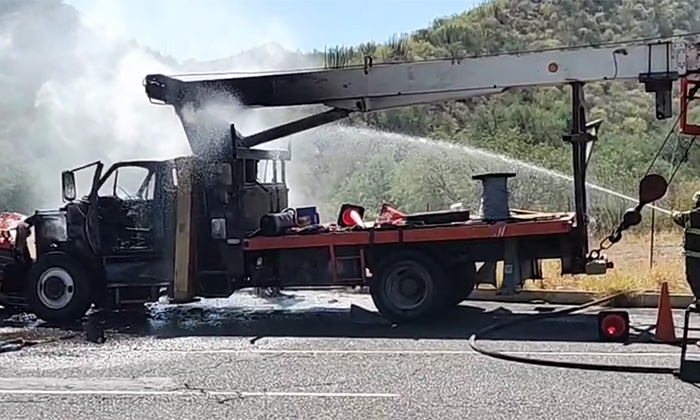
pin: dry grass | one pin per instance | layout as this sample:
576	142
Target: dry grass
632	267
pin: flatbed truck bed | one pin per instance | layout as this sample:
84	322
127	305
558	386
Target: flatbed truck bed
333	256
520	225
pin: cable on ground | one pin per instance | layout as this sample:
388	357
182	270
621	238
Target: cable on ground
563	364
20	343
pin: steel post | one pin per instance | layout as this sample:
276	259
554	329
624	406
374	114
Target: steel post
578	137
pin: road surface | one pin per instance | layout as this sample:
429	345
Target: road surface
307	356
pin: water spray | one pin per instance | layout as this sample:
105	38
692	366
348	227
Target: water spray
529	166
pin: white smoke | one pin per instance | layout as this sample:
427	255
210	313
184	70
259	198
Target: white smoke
73	94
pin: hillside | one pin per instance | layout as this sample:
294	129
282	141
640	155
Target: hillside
526	124
88	104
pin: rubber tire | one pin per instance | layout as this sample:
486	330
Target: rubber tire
439	289
463	281
81	301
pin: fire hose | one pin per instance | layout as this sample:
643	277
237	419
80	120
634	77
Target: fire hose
20	343
632	217
15	345
555	363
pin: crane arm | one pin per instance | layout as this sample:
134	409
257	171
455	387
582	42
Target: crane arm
372	87
375	87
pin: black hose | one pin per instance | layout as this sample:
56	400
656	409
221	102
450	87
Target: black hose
14	345
562	364
20	343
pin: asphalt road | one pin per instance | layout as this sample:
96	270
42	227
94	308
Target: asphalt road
309	357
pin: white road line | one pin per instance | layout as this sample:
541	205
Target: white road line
204	392
90	392
591	353
147	386
307	394
417	352
389	352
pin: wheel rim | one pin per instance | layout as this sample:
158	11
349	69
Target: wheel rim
55	288
407	286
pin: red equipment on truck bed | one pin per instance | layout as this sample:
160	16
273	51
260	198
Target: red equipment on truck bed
519	226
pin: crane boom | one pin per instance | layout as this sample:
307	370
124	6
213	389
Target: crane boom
375	87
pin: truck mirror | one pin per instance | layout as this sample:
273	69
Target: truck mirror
68	185
651	188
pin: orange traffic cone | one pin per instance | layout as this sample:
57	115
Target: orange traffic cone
665	330
351	215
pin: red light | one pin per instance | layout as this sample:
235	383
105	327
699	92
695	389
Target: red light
613	325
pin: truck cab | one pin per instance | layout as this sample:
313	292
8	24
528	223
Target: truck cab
109	247
123	242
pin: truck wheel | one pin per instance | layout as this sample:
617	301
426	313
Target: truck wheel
408	287
58	288
463	281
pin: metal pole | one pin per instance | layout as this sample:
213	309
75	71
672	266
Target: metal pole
651	240
579	139
294	127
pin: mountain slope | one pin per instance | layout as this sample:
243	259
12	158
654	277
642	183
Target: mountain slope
528	124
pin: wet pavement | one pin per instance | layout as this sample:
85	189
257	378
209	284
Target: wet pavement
321	355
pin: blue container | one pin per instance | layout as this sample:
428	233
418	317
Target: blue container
307	216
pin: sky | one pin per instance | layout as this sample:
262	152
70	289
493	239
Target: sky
210	29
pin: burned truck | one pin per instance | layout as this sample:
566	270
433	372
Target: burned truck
208	224
116	245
